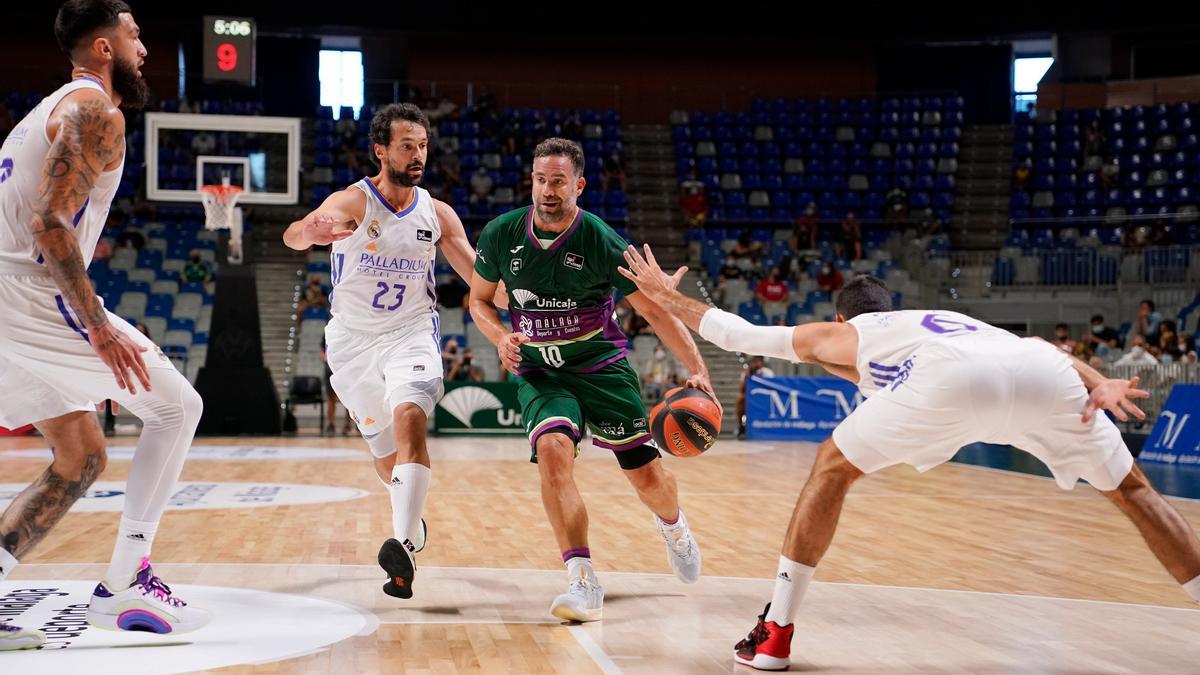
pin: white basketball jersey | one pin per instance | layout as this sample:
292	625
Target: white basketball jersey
888	340
383	274
22	161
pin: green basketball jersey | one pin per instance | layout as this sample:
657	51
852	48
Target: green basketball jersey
559	294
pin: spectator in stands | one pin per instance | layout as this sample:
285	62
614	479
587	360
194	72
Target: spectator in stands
314	296
771	289
104	249
756	368
1147	322
614	171
1168	337
746	254
692	200
1102	339
464	371
851	241
486	103
804	229
1160	234
637	325
896	204
829	279
525	185
511	136
1094	141
1062	338
450	355
1139	354
1110	173
536	131
443	109
659	373
451	168
572	126
481	186
131	238
1021	174
196	270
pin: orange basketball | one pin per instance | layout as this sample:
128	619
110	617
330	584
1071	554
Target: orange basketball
686	423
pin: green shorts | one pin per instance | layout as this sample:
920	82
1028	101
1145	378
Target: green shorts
608	401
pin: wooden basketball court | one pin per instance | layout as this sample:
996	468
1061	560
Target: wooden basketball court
961	569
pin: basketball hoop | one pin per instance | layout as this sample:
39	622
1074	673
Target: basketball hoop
219	204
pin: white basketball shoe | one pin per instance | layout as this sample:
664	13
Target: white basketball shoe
683	553
583	601
147	605
13	637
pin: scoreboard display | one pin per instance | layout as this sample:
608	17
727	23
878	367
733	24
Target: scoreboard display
229	49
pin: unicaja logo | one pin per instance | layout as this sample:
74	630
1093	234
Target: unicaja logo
523	296
464	402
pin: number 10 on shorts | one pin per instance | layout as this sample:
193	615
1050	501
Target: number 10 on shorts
552	355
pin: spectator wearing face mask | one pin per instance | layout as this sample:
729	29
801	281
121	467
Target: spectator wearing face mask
464	370
1102	338
1062	338
829	279
315	295
1147	322
771	289
756	368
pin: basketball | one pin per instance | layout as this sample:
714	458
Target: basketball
686	423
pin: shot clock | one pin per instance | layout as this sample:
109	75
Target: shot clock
229	49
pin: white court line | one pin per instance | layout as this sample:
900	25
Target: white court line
510	570
796	493
606	664
471	622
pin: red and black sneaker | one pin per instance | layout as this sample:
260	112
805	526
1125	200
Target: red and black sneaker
767	647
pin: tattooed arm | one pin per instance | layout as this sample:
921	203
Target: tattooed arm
88	137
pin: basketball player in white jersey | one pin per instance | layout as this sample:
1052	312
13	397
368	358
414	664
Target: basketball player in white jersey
61	352
936	381
384	340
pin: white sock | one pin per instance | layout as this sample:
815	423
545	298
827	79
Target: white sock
134	539
7	564
410	484
579	566
1192	587
790	583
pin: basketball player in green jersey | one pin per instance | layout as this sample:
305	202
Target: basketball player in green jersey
559	266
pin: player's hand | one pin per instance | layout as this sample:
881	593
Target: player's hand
322	230
1115	396
509	349
649	277
120	353
702	383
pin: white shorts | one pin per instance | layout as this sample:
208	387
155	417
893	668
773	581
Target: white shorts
1023	393
375	372
47	365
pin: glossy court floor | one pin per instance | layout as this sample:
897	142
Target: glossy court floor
965	568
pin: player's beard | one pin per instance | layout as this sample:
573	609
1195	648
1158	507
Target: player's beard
402	178
127	84
556	216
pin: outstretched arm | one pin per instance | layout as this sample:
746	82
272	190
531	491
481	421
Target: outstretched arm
832	345
334	220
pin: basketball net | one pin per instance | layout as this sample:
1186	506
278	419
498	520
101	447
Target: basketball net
221	213
219	204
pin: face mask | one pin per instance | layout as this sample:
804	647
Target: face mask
660	355
1098	329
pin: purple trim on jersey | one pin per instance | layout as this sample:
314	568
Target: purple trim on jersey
880	366
606	362
437	334
562	236
622	447
589	319
62	307
398	214
557	425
